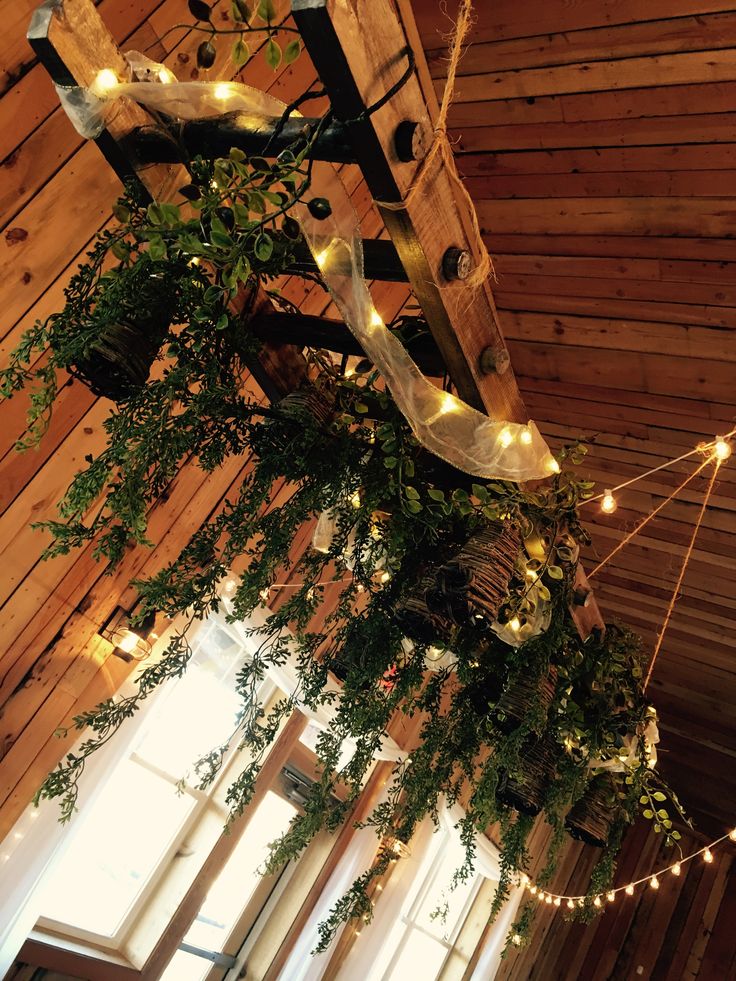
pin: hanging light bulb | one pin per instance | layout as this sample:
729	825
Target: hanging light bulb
553	466
608	502
449	403
570	904
722	448
264	594
533	890
223	91
611	896
629	890
103	82
597	901
525	436
514	624
505	437
355	500
676	868
548	899
229	587
732	835
376	319
516	940
557	900
708	855
654	882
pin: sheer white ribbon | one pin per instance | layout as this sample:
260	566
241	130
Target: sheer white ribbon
444	424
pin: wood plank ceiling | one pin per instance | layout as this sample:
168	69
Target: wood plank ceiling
598	140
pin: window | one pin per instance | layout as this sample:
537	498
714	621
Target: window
419	942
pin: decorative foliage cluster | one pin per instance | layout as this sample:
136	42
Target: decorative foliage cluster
250	17
398	515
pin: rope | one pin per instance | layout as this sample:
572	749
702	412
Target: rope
676	592
441	147
648	518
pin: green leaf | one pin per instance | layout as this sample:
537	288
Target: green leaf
658	795
154	214
414	506
676	835
661	813
292	51
222	321
390	462
436	495
361	407
648	814
263	247
267	11
239	11
157	248
554	572
240	53
408	468
273	54
412	493
121	213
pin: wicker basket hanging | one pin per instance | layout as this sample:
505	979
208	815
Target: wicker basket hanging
525	694
309	401
591	817
525	790
474	583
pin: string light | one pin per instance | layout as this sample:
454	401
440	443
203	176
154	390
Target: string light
505	438
653	879
449	403
376	319
516	940
722	448
355	499
223	91
104	81
525	436
608	503
553	466
515	624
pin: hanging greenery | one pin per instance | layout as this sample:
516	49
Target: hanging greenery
526	719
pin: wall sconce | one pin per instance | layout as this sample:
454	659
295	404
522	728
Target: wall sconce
131	643
397	848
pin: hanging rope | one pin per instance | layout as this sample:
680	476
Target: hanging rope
676	592
442	147
648	518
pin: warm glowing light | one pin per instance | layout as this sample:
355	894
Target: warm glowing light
264	594
223	91
322	256
449	403
540	897
229	587
654	882
360	587
505	438
524	879
355	499
516	940
533	890
349	372
676	868
376	319
629	890
525	436
553	466
310	593
515	624
194	261
357	933
570	904
548	899
104	81
18	835
557	900
608	502
379	887
128	641
385	576
707	855
166	76
722	448
597	901
732	835
611	896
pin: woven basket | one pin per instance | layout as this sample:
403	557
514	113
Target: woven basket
474	583
591	817
522	696
526	789
119	362
310	402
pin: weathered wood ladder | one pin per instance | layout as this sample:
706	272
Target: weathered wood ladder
361	52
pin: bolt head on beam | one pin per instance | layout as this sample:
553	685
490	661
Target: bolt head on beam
494	360
409	141
457	264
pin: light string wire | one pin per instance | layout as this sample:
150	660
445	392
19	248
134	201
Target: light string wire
551	898
441	146
625	541
662	466
683	569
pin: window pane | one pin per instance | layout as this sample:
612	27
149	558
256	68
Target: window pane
420	957
233	888
114	849
440	893
186	967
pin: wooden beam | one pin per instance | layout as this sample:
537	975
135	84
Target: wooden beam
360	56
380	259
215	137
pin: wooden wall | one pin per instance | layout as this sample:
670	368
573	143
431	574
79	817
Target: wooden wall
682	932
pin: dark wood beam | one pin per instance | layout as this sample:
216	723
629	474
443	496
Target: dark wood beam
215	136
380	259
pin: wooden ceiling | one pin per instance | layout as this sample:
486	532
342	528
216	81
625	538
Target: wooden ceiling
598	140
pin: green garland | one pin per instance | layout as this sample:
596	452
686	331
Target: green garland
399	514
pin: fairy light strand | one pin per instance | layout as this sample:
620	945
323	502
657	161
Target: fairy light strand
653	880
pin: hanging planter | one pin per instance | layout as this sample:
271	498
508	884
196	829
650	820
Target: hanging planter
309	401
525	695
526	789
474	583
591	817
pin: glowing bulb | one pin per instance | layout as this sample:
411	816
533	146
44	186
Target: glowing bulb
553	466
629	890
581	902
376	319
570	904
524	879
525	436
360	587
357	933
540	897
611	896
379	887
223	91
127	641
515	624
229	587
608	502
597	901
104	81
533	890
548	899
355	499
654	882
18	835
676	868
310	593
448	403
505	438
732	835
557	900
194	261
349	372
722	448
321	257
385	576
264	594
516	940
166	76
707	855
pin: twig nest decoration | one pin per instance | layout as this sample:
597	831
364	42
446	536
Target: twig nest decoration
523	696
526	788
474	583
537	615
591	817
308	401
